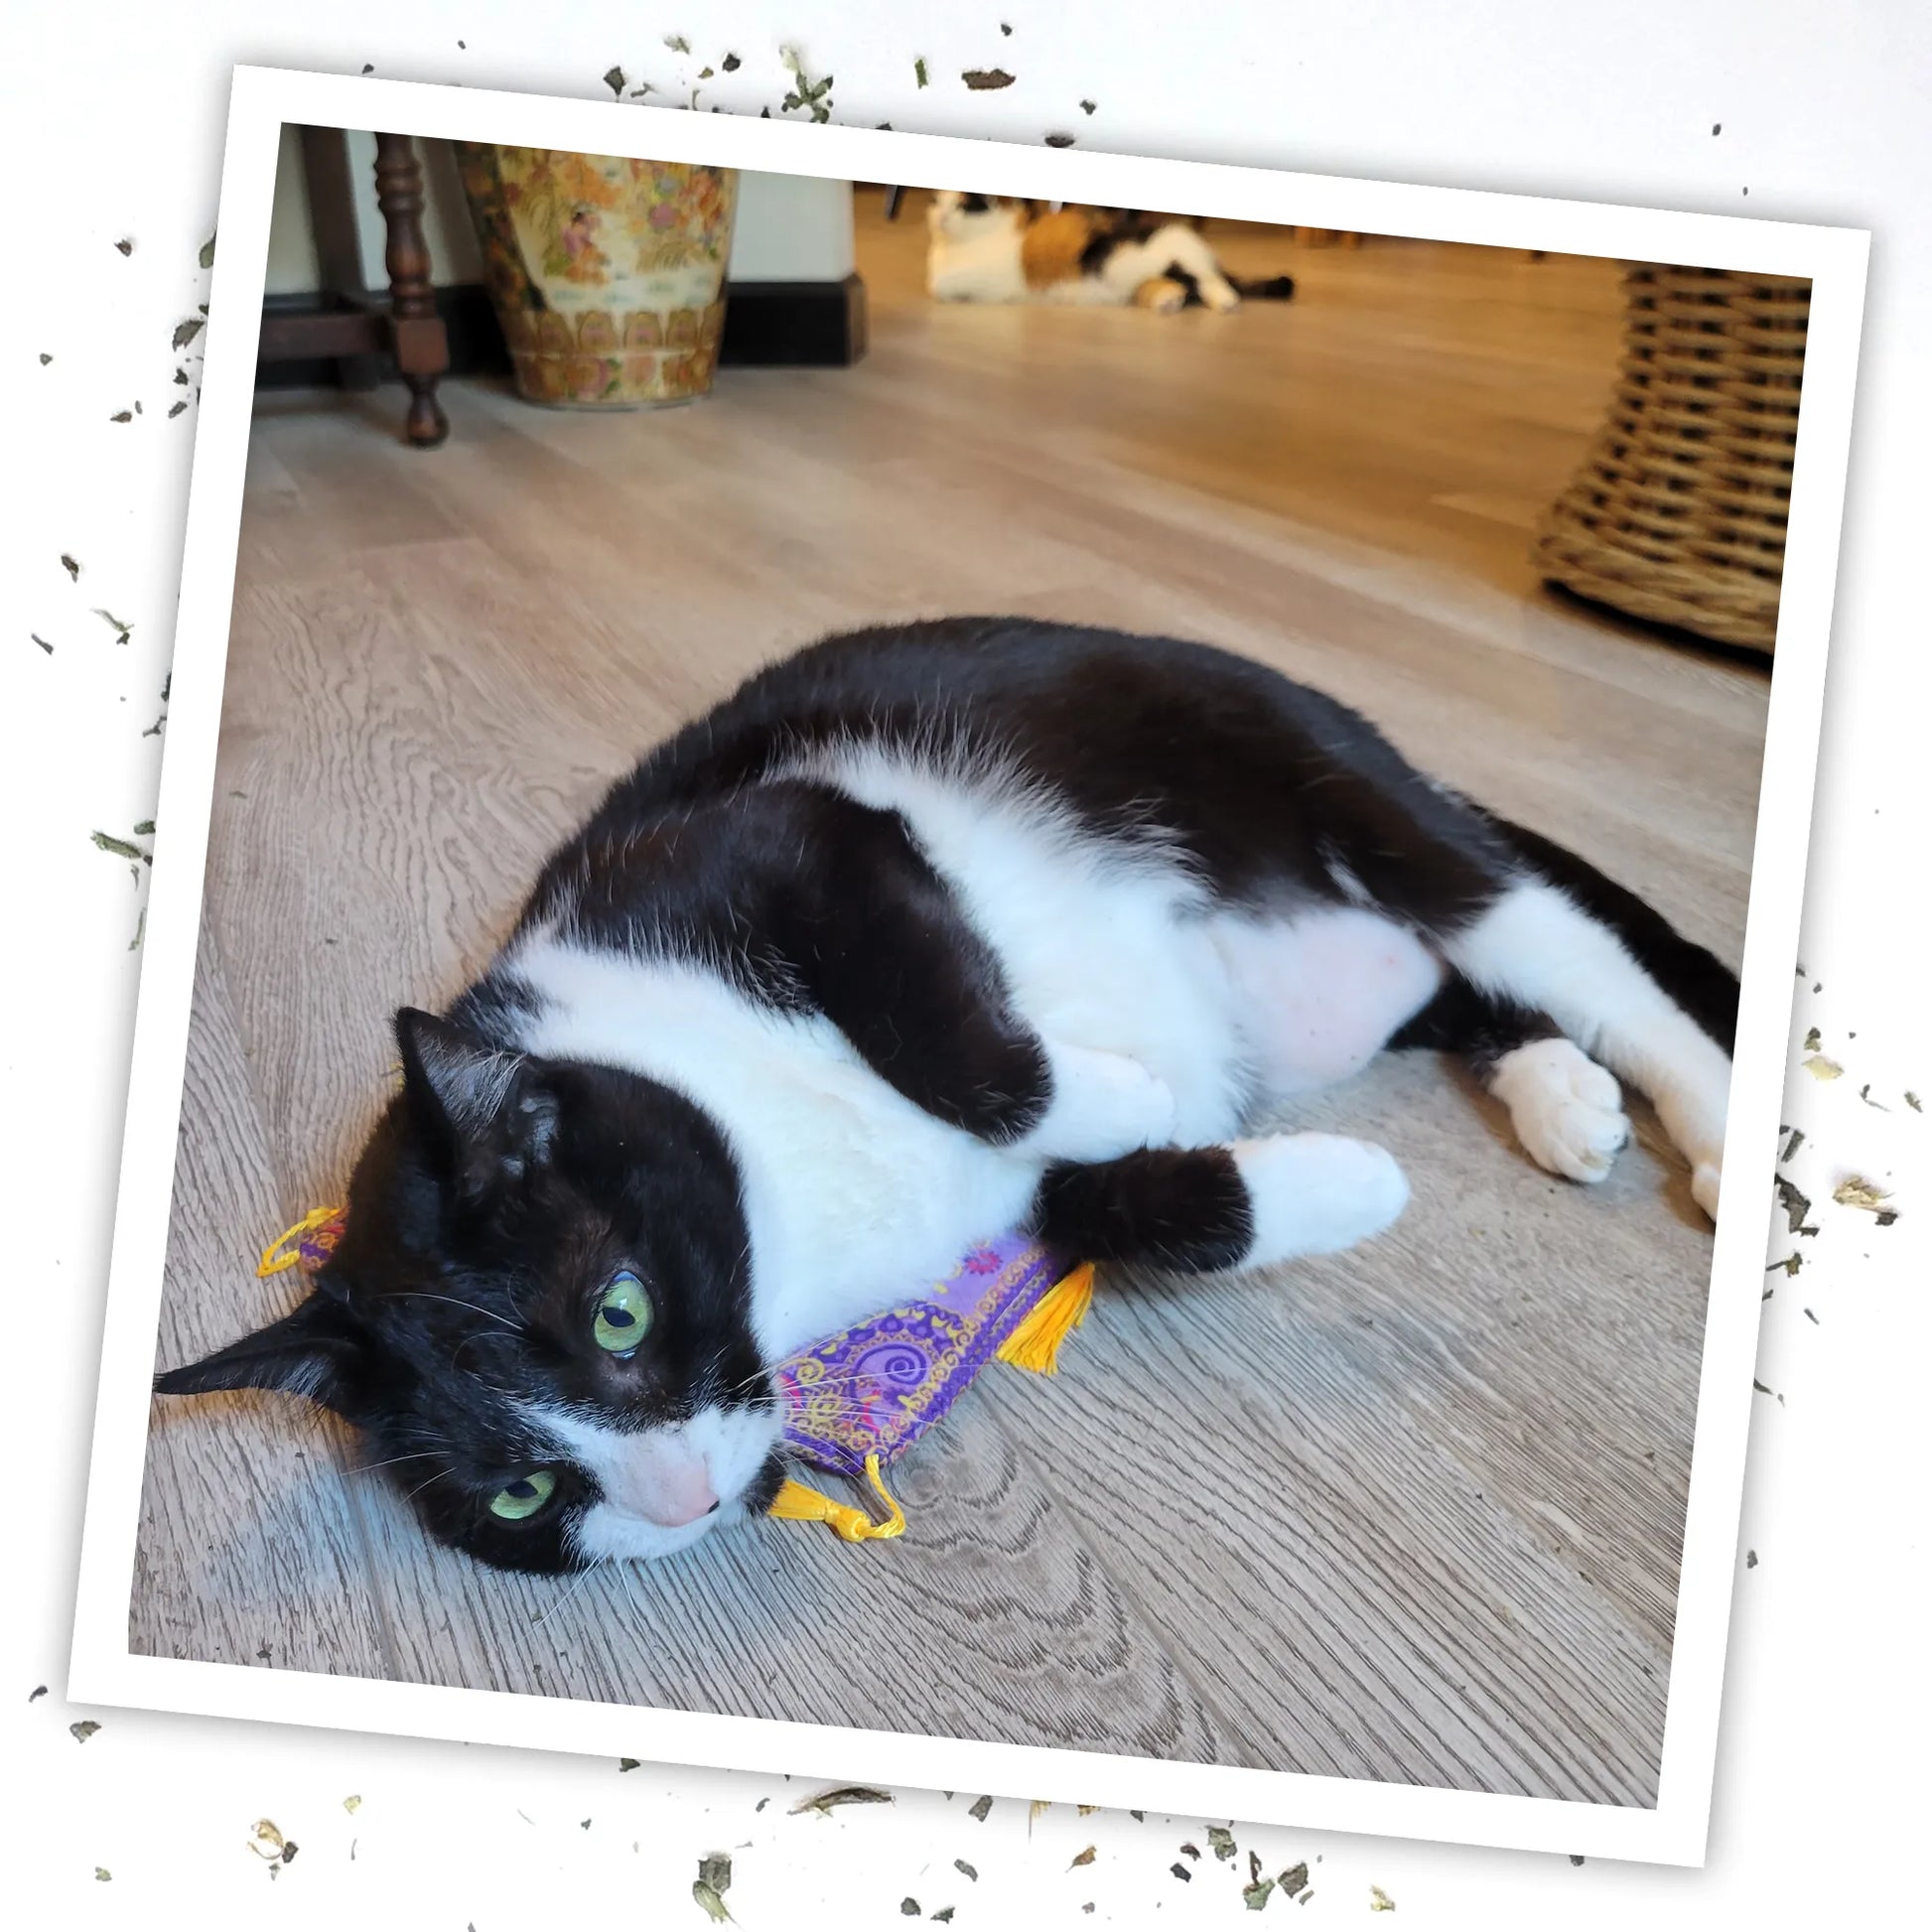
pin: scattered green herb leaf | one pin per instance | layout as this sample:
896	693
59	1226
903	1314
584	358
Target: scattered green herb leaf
677	43
125	247
707	1897
1912	1101
731	64
1060	140
206	257
1791	1145
1255	1896
1296	1878
125	629
42	641
176	411
1181	1873
918	70
1221	1843
1082	1857
629	1763
1086	107
352	1804
960	1865
71	568
1856	1193
982	79
185	331
107	842
122	416
613	80
102	1875
980	1808
1796	1205
1379	1900
910	1907
842	1794
83	1730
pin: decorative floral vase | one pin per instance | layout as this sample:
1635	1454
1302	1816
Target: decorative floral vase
607	274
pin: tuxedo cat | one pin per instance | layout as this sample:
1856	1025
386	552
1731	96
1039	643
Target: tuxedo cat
981	248
930	933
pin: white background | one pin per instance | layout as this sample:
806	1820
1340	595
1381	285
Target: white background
114	125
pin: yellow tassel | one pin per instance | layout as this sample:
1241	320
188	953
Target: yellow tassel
274	1261
1035	1343
796	1503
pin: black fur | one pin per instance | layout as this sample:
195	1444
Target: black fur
1180	1208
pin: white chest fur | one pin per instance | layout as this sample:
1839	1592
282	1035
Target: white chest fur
853	1194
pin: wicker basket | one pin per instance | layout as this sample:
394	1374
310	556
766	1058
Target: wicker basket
1678	512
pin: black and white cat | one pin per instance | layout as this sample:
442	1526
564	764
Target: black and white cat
926	934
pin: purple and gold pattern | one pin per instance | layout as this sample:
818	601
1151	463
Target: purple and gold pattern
875	1389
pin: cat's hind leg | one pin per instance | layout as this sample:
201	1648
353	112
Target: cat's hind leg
1244	1205
1622	983
1180	248
1568	1112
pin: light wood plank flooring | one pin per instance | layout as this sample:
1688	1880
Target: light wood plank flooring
1411	1514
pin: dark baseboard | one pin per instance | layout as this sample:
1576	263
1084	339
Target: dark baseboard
767	324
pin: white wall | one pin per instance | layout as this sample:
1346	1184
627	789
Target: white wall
790	228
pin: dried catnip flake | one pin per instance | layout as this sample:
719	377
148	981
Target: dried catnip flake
943	1916
71	568
185	331
206	257
1912	1101
122	416
125	247
1179	1871
1222	1841
1294	1878
908	1907
614	80
981	80
83	1730
1255	1896
715	1870
842	1794
1857	1192
677	43
920	72
1082	1857
980	1808
1379	1900
352	1803
1812	1041
731	64
708	1899
972	1872
1086	107
1821	1068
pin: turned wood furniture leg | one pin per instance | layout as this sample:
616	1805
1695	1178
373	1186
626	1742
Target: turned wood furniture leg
416	332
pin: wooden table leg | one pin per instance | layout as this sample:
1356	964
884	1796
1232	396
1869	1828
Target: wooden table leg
416	332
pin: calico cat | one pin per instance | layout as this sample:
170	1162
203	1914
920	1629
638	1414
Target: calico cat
929	934
982	248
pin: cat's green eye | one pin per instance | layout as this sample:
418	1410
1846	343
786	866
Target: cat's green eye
523	1497
622	1314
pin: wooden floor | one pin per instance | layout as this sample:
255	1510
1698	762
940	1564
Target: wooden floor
1410	1514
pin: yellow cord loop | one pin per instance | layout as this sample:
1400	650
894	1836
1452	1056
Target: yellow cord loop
274	1260
796	1503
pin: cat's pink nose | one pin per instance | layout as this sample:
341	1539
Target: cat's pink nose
681	1497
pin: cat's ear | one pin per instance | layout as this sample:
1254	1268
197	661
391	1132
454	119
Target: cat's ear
319	1351
485	1114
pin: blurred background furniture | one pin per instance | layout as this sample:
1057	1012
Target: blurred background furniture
1678	512
346	322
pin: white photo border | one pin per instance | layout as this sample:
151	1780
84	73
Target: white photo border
103	1670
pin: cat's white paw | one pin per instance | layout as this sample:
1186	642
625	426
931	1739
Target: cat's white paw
1316	1194
1168	300
1705	1177
1220	297
1103	1105
1567	1109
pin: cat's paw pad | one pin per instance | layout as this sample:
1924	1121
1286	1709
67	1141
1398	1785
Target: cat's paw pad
1103	1105
1567	1109
1316	1194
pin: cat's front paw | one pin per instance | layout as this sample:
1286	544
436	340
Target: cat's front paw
1567	1109
1316	1194
1220	297
1103	1105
